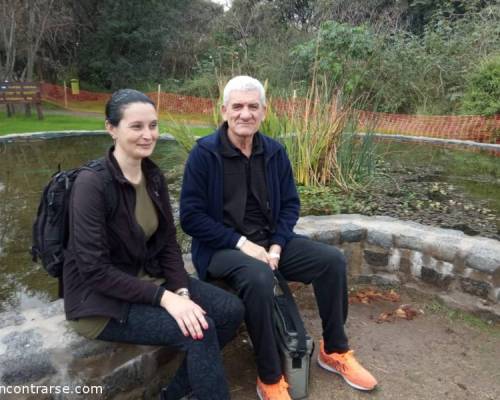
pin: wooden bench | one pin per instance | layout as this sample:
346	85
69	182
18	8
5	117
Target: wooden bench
27	93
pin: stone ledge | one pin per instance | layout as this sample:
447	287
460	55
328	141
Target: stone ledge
15	137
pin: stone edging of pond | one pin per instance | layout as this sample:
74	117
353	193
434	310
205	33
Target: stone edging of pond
17	137
465	144
385	249
37	347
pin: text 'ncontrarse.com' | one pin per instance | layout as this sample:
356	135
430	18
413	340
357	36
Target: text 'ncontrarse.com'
42	389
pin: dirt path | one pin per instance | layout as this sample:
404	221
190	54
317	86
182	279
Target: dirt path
431	357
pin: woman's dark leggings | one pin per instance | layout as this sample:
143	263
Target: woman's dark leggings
201	371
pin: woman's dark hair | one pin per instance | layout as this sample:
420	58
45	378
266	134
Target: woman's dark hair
119	100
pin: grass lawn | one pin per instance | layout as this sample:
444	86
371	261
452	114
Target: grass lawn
19	123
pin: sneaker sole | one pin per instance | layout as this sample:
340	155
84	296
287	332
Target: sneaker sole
331	369
259	394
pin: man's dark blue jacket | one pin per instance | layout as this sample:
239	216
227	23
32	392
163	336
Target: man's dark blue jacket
201	203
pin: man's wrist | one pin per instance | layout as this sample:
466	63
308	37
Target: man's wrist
241	242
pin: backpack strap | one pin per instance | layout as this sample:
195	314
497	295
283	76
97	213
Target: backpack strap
294	314
100	167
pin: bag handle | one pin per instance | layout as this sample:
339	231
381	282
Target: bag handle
293	311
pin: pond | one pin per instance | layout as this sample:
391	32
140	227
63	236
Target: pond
428	184
433	185
25	167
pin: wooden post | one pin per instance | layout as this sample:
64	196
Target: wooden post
158	99
65	95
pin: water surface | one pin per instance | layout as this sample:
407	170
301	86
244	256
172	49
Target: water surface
25	167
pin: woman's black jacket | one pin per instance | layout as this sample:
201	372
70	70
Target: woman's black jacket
105	253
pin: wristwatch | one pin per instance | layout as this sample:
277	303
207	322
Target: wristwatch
184	292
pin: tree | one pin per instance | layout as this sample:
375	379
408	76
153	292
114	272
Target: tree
25	24
132	42
482	95
9	16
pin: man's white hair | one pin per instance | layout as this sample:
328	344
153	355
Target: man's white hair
244	83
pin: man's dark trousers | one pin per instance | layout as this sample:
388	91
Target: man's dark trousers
302	260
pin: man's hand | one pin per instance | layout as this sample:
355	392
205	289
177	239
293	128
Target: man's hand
189	316
274	256
254	250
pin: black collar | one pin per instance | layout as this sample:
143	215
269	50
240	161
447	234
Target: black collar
227	149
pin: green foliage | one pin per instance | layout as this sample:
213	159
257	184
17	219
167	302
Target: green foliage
339	50
184	134
318	200
483	91
130	42
357	158
401	71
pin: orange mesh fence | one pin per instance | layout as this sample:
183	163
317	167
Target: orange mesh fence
467	127
55	93
178	104
459	127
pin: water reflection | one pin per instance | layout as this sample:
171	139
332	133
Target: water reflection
25	167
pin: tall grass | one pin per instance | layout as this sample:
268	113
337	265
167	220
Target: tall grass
314	131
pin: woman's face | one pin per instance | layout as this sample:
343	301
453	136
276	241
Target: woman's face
136	134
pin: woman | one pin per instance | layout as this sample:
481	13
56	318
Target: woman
124	278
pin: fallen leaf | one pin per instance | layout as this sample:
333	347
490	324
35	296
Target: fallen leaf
385	317
368	295
405	311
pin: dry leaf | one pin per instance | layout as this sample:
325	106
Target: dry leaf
367	295
385	317
405	311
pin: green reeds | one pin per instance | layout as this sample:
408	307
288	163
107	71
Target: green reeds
183	134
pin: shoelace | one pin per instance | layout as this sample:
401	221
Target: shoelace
346	358
279	388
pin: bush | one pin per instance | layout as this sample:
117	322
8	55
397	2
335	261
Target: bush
483	91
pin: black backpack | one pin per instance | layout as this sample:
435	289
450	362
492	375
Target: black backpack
50	229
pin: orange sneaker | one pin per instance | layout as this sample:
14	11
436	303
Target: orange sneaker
346	366
276	391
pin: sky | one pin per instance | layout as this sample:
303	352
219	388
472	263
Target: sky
225	3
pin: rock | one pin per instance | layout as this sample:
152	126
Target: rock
26	368
351	233
376	259
430	275
22	342
10	319
54	308
484	258
380	238
381	279
477	288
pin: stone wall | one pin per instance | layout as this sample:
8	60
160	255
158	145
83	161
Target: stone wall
457	267
36	346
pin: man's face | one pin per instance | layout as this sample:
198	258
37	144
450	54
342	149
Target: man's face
243	113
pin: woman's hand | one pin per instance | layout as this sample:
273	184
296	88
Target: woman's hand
189	316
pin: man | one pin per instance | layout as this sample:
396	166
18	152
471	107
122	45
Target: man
240	204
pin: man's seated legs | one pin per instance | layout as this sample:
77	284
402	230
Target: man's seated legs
324	266
253	280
